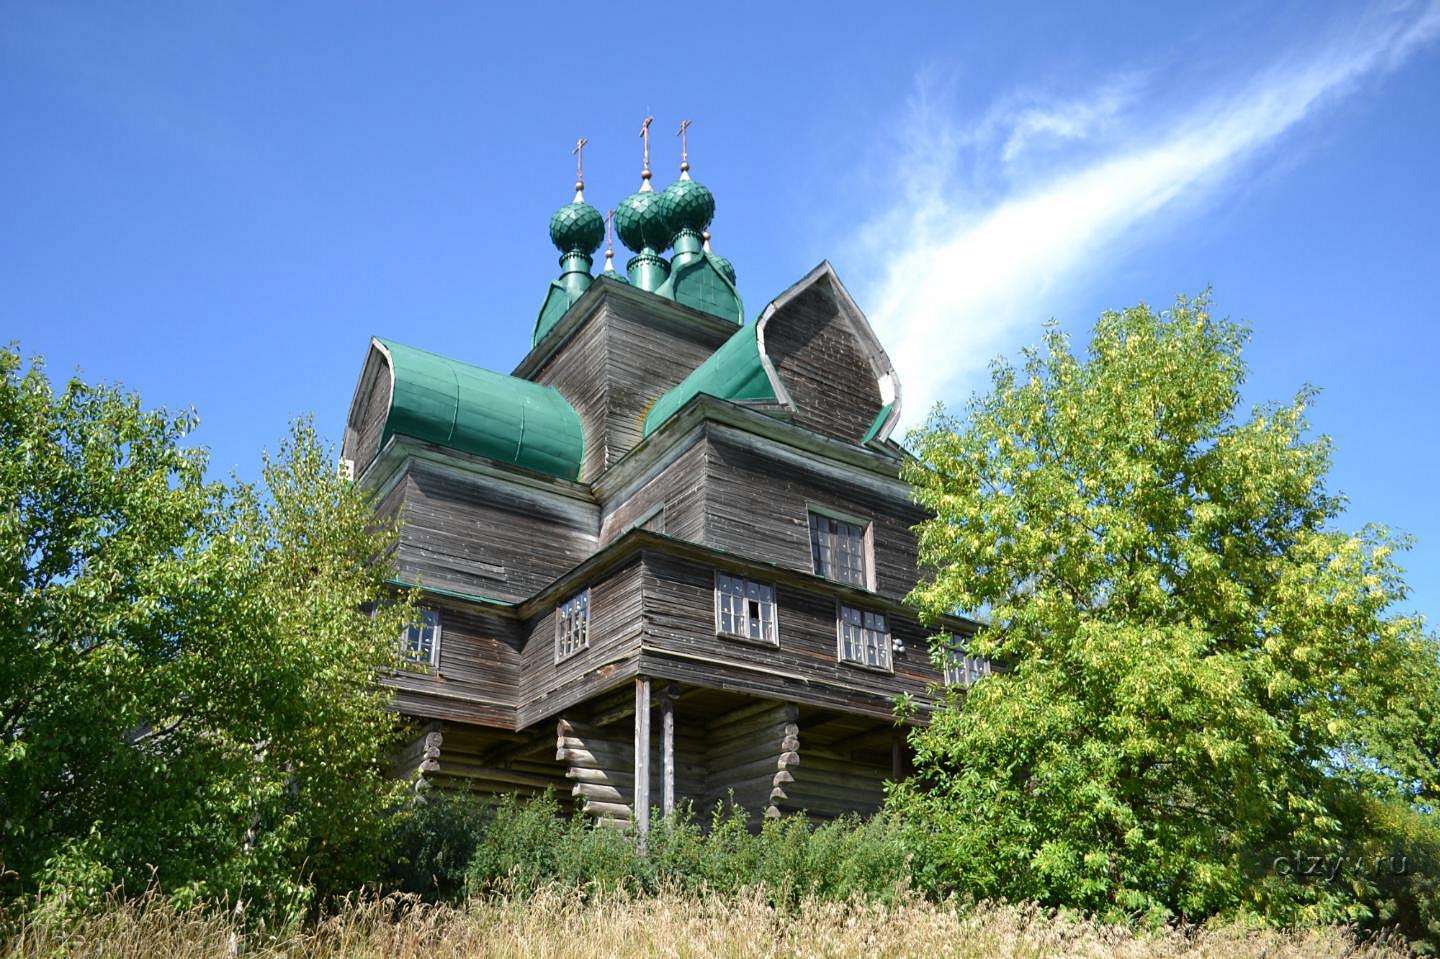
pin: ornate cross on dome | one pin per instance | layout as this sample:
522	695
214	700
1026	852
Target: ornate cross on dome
684	154
645	135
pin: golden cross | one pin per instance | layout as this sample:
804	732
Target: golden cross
579	153
609	223
645	133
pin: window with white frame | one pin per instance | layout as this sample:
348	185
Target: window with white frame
420	643
572	625
962	668
864	637
745	609
838	549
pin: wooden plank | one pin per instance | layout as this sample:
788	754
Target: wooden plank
667	751
641	803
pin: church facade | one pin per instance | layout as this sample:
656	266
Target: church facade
663	560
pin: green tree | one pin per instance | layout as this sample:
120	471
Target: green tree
1200	673
189	687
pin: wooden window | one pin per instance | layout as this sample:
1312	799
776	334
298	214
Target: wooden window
962	668
572	625
864	638
745	609
420	643
838	549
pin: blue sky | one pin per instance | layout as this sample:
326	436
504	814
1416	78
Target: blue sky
217	204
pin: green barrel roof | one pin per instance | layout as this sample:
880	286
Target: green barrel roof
734	372
474	410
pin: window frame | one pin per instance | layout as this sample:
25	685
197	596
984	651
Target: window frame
959	661
429	619
562	621
887	645
773	642
867	543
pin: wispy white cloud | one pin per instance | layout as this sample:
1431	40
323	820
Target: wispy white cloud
959	280
1046	122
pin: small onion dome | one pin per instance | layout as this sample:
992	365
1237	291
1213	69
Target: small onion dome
721	263
640	221
687	205
577	228
724	266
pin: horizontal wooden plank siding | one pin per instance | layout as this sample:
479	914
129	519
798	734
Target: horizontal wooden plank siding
367	417
681	644
616	616
757	505
478	676
504	541
823	365
675	495
614	368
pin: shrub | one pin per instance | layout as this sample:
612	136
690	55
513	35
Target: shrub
524	846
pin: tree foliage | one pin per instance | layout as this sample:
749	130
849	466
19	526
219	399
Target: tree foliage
189	688
1201	675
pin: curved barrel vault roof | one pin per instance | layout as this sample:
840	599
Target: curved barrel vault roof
474	410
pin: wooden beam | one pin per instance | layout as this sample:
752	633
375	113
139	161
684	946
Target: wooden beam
642	761
667	750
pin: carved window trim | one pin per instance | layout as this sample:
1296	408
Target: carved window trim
751	601
572	625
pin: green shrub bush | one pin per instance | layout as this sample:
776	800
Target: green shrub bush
523	846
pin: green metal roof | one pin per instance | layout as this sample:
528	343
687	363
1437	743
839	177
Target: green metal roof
880	419
733	372
467	408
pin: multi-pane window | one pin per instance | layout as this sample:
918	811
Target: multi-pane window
572	625
963	668
420	643
864	637
837	550
744	608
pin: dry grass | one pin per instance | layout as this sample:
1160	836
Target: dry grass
561	924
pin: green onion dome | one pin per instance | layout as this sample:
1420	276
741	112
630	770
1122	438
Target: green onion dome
577	228
687	205
724	266
640	221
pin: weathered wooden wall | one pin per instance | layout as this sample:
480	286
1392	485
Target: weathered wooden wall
616	620
367	418
681	644
477	679
757	501
618	363
676	491
823	365
472	534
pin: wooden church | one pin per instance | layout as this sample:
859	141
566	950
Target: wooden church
664	559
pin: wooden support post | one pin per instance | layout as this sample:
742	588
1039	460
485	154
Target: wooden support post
642	759
897	756
667	750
